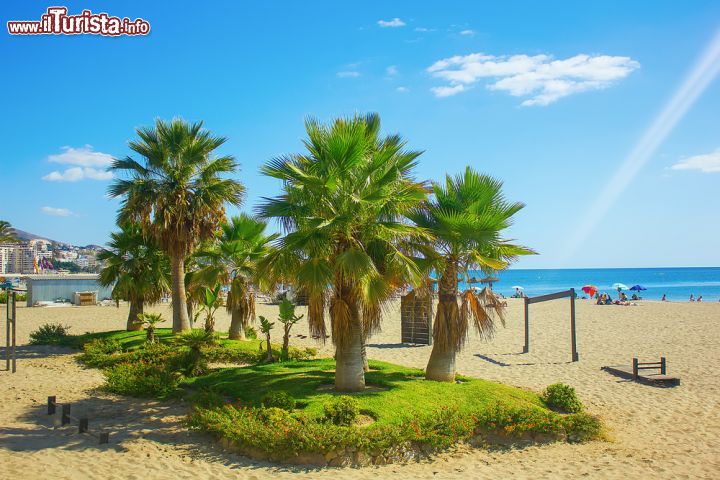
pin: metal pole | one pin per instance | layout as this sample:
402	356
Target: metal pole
14	322
526	348
7	330
573	336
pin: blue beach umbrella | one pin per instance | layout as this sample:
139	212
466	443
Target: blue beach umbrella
637	288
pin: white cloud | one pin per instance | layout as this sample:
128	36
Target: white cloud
402	89
441	92
707	163
86	164
75	174
394	23
392	70
348	74
468	33
83	157
423	29
539	77
57	212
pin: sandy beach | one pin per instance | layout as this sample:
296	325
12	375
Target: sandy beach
656	432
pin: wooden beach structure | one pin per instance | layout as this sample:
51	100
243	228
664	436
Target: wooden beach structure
545	298
416	318
636	372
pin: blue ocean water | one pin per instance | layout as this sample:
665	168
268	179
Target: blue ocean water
677	283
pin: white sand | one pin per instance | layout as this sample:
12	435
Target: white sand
658	433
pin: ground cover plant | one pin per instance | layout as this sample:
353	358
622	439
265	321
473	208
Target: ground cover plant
292	407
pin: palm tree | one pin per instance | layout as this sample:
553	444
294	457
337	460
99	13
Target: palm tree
7	233
149	320
233	260
265	327
177	193
288	318
209	303
196	341
138	269
343	207
466	217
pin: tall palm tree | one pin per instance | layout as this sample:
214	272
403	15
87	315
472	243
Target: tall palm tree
343	207
177	193
7	233
233	260
466	218
138	269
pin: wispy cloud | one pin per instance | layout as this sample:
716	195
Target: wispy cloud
87	164
707	163
394	23
402	89
57	212
538	77
442	92
424	29
348	74
75	174
468	32
392	70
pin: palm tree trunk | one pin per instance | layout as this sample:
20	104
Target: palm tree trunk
133	322
349	371
237	325
441	366
181	321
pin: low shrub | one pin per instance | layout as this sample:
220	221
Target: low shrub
562	397
250	333
583	427
101	352
20	297
49	334
342	410
207	398
279	399
141	379
307	353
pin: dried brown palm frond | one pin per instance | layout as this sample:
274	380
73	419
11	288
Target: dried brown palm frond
484	309
316	314
449	331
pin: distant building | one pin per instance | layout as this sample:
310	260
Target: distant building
16	258
48	288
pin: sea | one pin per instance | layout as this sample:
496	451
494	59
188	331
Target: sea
676	283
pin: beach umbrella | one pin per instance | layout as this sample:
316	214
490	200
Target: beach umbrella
619	286
637	288
518	287
490	280
589	289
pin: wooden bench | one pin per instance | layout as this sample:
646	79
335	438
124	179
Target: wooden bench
635	372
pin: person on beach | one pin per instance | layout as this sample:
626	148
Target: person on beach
664	298
699	299
692	297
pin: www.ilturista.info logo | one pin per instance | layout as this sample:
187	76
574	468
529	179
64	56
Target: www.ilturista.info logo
57	22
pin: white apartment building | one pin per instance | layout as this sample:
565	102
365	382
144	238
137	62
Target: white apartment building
16	258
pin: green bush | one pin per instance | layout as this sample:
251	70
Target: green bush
207	398
100	352
49	334
562	397
342	410
583	427
20	297
250	333
279	399
302	354
141	379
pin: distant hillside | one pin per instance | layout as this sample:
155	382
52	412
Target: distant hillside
23	235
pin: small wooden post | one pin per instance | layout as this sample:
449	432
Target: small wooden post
7	330
104	437
526	348
635	368
51	405
65	414
663	366
573	336
83	426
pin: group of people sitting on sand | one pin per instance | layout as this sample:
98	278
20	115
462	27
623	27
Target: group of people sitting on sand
606	299
692	298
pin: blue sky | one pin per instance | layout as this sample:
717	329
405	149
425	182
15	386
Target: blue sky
551	97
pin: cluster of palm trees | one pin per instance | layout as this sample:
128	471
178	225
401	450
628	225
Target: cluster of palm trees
357	227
